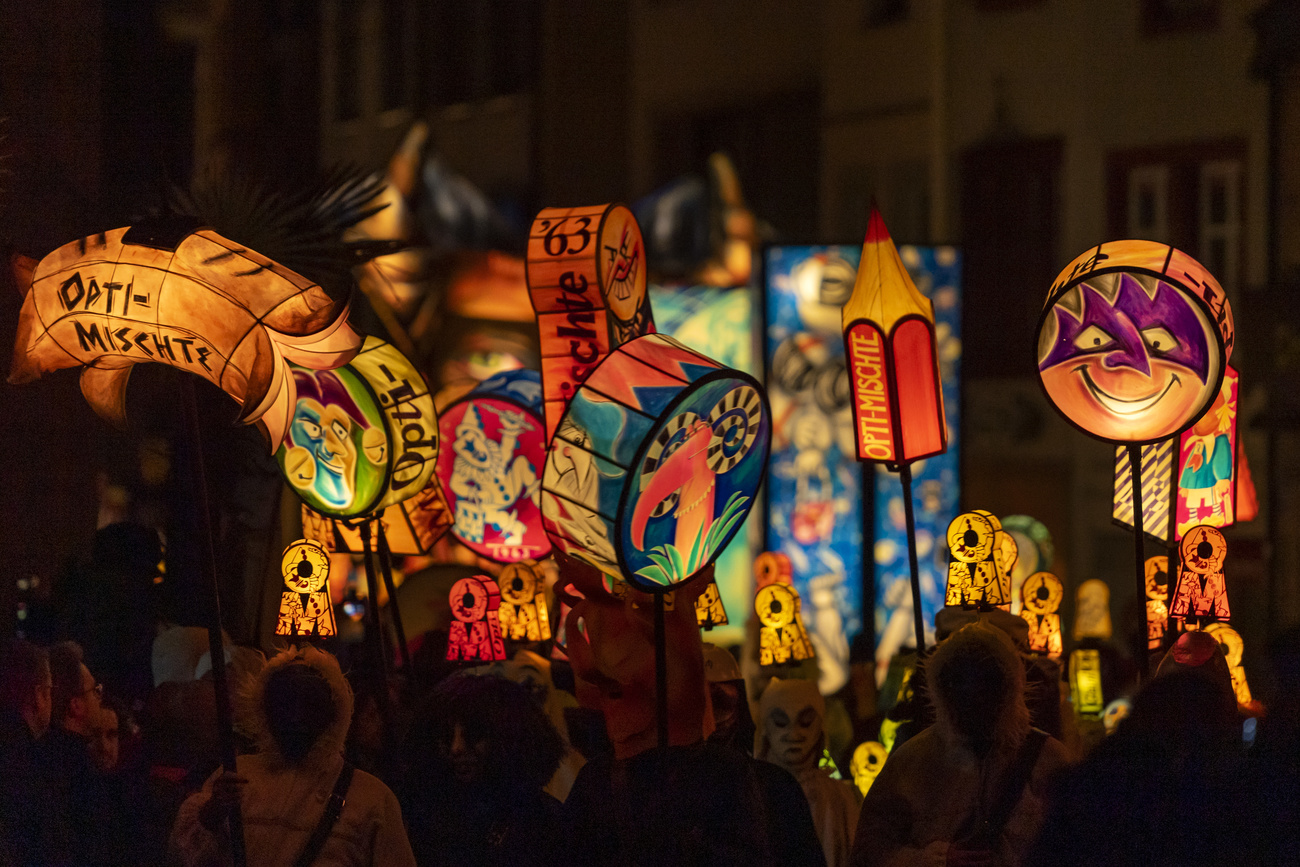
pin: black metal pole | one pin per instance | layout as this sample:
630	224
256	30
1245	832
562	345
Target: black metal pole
661	672
905	476
386	568
1141	657
208	565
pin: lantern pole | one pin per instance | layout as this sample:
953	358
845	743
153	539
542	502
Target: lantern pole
386	567
1143	656
905	476
661	672
374	630
208	565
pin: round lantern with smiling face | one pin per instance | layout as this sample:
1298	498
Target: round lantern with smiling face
1133	341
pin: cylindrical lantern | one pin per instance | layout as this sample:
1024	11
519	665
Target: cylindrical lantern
363	436
655	463
490	467
1133	341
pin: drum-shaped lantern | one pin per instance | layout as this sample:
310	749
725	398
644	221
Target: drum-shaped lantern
655	463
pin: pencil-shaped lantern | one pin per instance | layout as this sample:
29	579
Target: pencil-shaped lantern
893	363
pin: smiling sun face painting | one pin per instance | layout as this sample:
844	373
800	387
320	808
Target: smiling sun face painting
1128	356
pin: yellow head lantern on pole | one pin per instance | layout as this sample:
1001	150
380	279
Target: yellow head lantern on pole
305	609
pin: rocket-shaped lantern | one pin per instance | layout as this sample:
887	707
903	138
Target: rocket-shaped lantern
893	363
892	357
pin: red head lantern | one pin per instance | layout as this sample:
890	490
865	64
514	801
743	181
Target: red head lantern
476	630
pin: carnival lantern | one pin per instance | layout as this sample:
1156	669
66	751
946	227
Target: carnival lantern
1157	608
782	638
975	579
1233	647
1133	343
523	615
475	630
1202	593
709	611
894	374
1041	597
868	758
305	609
491	468
772	567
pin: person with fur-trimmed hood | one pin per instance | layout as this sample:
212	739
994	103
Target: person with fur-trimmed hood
970	789
298	709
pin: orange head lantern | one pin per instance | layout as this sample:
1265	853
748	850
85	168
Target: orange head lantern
709	611
892	357
1202	594
1041	597
976	578
771	567
523	611
782	638
1157	582
305	609
476	630
1233	647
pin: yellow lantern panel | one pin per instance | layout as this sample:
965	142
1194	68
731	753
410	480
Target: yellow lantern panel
305	609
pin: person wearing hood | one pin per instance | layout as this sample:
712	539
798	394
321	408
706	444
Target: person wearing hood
299	709
970	789
793	737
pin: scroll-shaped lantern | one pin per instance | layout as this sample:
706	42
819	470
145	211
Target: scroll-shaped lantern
709	610
476	630
1157	575
782	638
975	580
362	437
1085	683
410	527
523	613
1092	610
892	358
305	609
1233	647
587	280
491	467
172	293
772	567
1189	479
1133	341
868	758
1202	593
656	463
1040	598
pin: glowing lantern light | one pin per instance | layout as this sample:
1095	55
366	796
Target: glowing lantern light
362	437
655	463
587	280
893	362
1041	597
523	615
782	638
410	527
490	469
1092	610
1157	575
709	611
772	567
1233	647
868	758
1115	713
1085	683
975	578
1202	594
185	297
305	609
476	631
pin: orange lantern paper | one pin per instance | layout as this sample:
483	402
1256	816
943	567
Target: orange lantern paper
523	613
1040	598
975	578
1202	594
782	638
410	527
182	296
709	611
1157	575
305	609
893	361
771	567
587	280
476	630
1233	647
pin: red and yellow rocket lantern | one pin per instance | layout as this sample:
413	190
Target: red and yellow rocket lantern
893	362
893	366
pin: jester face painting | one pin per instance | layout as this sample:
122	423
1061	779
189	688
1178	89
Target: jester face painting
335	454
1129	357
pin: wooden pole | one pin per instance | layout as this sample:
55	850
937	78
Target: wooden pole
208	565
905	476
1141	656
661	672
386	568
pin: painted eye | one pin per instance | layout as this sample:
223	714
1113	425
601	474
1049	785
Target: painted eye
1093	338
339	430
311	429
1159	339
